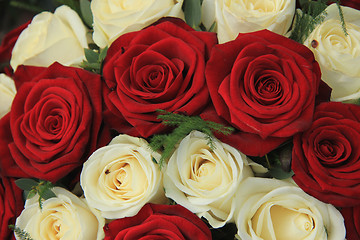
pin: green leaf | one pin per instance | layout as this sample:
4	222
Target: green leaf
91	56
279	173
86	12
103	53
26	183
47	194
31	194
192	11
73	4
21	234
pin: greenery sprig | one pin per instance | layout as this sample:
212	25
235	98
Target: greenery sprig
32	187
184	125
94	59
22	234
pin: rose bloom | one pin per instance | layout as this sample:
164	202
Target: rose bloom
352	222
62	217
275	209
11	205
337	54
113	18
7	93
51	37
120	178
241	16
7	46
54	124
264	85
205	180
326	157
159	67
156	221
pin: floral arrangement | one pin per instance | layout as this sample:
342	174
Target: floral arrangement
183	119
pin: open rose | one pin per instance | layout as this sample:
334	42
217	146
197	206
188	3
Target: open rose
59	36
326	157
205	180
338	54
241	16
352	222
54	123
120	178
158	222
159	67
264	85
113	18
11	205
62	217
276	209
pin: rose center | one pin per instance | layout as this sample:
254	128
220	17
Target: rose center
331	153
268	90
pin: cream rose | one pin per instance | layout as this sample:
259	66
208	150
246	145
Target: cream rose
276	209
205	180
240	16
119	179
60	37
7	93
113	18
338	55
65	217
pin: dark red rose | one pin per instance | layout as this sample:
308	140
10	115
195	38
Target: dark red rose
158	222
159	67
326	157
7	45
264	85
352	222
54	124
11	205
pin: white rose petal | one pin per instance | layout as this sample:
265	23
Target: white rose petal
205	180
64	217
119	179
113	18
338	55
241	16
60	37
278	210
7	93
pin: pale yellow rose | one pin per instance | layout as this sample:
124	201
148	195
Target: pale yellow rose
274	209
65	217
7	94
205	180
49	37
113	18
119	179
241	16
337	54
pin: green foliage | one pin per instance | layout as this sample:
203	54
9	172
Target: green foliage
73	4
26	6
313	13
32	187
86	13
192	11
94	59
22	234
184	125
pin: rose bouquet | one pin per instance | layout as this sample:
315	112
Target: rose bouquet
182	119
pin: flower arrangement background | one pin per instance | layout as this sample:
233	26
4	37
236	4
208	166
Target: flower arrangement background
183	119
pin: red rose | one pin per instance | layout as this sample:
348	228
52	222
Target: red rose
11	205
159	67
264	85
54	123
7	45
326	158
352	222
158	222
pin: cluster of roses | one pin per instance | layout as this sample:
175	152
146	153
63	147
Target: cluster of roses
64	124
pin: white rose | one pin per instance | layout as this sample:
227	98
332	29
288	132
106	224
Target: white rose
276	209
60	37
205	180
241	16
119	179
7	93
338	55
113	18
64	217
